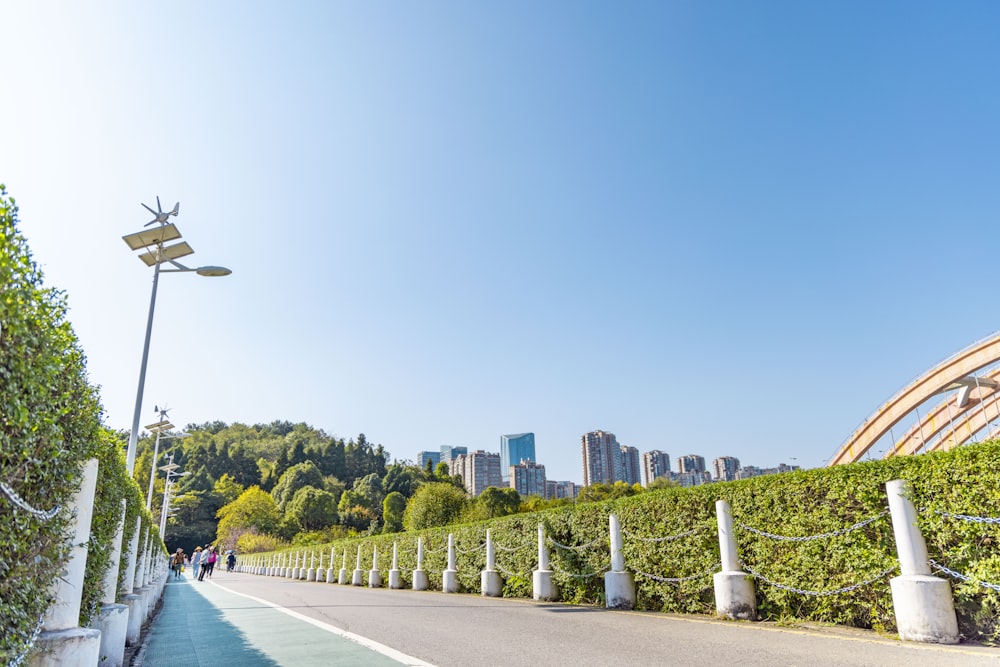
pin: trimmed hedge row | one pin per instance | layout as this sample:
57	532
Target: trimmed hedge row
50	423
813	502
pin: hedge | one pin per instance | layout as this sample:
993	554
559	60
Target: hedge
50	423
964	481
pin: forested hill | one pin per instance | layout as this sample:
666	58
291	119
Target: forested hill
221	459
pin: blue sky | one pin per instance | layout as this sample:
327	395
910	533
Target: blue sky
713	228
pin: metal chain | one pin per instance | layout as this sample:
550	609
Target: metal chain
511	549
802	591
17	500
581	576
31	643
460	552
578	547
507	573
675	580
842	531
973	519
959	575
668	538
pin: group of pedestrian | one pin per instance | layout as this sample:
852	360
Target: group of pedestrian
203	561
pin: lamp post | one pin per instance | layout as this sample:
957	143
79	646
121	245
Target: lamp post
170	470
159	428
153	242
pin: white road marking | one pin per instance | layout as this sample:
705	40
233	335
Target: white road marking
387	651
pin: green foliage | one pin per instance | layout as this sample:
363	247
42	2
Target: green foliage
49	425
253	542
253	510
296	477
228	489
434	504
393	508
312	508
599	492
494	502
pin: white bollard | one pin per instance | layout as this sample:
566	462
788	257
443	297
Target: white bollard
359	576
130	599
342	579
449	578
542	586
734	591
331	574
490	582
320	572
62	641
419	574
395	578
311	572
619	586
374	576
925	609
112	621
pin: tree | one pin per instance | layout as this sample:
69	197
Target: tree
312	508
254	509
402	478
295	478
494	502
393	508
228	489
434	504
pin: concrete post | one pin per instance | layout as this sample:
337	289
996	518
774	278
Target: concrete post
490	582
331	575
395	578
374	576
311	572
734	591
304	571
449	578
358	578
320	572
342	579
925	609
542	586
112	621
294	573
419	575
62	641
619	586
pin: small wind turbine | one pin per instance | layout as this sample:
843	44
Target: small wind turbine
161	217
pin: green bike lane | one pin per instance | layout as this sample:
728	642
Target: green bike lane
202	623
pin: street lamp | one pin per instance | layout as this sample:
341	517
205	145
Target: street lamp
158	428
170	470
153	242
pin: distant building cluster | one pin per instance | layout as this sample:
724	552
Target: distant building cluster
605	461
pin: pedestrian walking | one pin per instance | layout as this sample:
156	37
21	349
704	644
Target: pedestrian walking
231	561
177	562
196	561
208	563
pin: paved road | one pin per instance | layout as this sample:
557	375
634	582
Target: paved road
250	620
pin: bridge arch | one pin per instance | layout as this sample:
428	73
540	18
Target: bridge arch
952	373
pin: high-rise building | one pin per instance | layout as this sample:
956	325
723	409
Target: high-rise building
424	457
725	468
602	458
554	489
478	469
528	478
630	465
514	449
448	453
654	464
691	463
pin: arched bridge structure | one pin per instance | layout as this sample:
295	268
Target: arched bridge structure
970	406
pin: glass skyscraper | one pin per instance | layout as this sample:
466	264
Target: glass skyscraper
514	449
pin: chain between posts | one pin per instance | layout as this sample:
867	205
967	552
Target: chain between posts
507	573
835	533
20	502
581	576
512	549
31	642
669	538
974	519
959	575
802	591
460	552
579	547
677	580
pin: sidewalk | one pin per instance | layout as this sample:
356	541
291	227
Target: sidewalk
201	623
